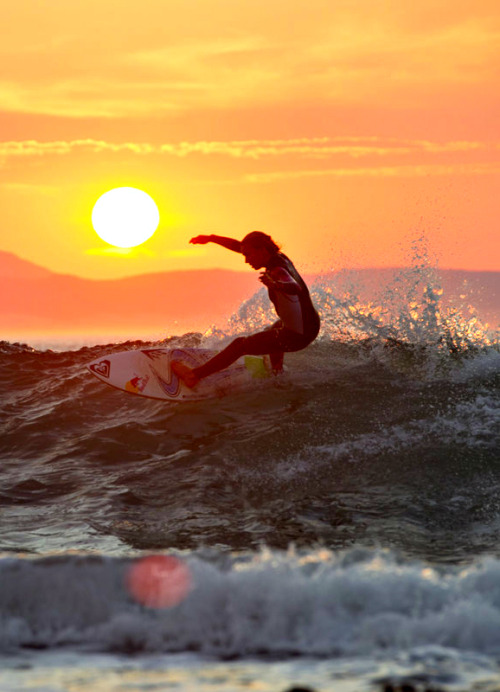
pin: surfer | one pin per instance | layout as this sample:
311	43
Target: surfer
298	323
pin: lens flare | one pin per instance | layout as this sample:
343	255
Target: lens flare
159	581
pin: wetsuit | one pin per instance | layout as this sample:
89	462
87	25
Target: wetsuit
297	327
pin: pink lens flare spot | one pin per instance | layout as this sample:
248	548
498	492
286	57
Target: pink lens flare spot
159	581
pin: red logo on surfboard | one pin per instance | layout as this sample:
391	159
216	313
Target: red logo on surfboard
102	368
137	384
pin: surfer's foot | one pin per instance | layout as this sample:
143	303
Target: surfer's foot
187	375
276	362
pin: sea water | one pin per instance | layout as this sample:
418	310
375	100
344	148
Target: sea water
339	526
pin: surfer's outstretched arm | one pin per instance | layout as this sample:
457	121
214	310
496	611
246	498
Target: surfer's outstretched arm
228	243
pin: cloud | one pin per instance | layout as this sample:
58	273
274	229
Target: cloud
30	189
85	58
380	172
327	156
33	147
347	156
315	147
125	252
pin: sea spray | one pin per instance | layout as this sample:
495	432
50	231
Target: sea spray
408	320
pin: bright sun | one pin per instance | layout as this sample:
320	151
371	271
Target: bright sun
125	217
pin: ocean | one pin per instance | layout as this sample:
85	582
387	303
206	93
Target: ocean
335	528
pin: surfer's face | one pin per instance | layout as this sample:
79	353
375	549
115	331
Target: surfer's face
256	257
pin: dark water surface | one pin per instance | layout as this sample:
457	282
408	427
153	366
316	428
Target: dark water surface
349	509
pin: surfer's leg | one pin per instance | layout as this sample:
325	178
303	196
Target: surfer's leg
274	341
258	344
191	376
235	350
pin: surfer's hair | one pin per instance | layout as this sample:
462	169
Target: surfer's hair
261	240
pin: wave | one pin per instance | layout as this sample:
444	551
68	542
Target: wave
385	431
314	603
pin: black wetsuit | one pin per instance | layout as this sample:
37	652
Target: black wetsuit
297	327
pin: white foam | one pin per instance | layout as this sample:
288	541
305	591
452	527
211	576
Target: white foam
316	603
483	365
473	424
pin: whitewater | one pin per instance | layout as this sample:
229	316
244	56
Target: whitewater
340	524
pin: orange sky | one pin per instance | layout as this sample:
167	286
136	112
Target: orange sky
344	129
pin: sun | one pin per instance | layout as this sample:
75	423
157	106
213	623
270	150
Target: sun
125	217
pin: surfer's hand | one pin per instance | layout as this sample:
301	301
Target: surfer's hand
201	239
266	280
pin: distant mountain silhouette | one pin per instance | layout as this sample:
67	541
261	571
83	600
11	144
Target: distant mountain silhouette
12	266
34	299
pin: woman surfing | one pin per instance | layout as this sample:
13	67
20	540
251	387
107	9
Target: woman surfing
298	323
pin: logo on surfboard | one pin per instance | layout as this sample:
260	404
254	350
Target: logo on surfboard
137	384
102	368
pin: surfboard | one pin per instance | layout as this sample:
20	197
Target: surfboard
146	372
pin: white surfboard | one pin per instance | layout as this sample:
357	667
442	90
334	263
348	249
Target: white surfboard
147	372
